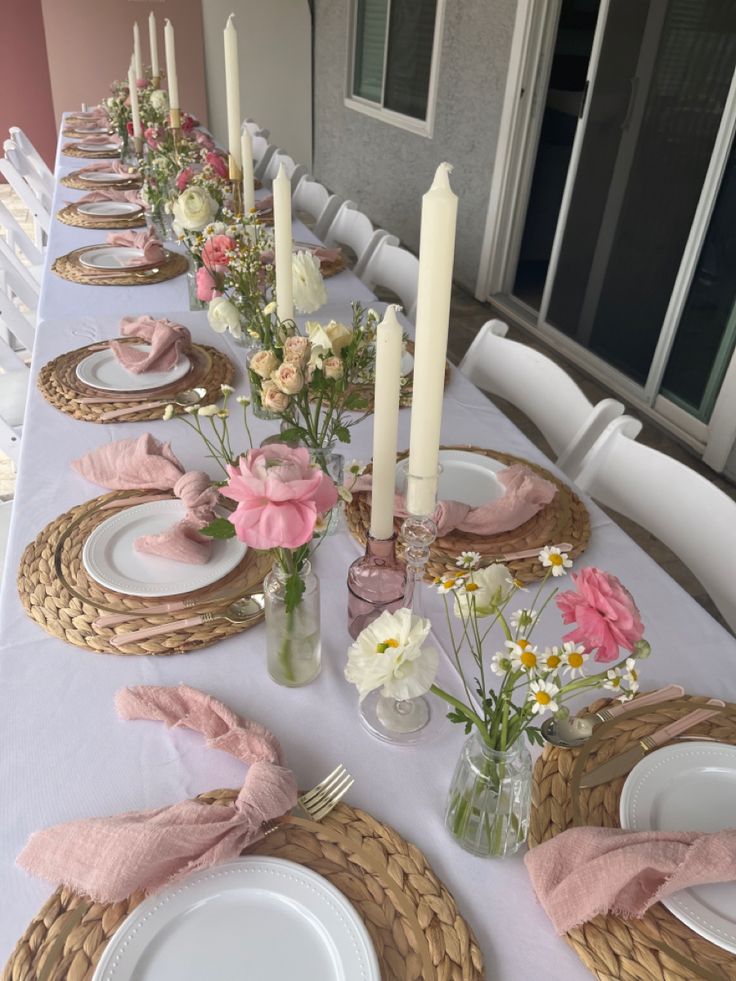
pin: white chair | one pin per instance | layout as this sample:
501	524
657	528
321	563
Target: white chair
21	245
312	197
6	510
13	272
262	153
542	390
32	201
254	129
294	171
17	327
29	174
351	227
398	270
34	158
13	391
693	518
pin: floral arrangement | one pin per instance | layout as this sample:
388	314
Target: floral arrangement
153	105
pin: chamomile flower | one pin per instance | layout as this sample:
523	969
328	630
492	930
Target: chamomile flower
550	659
356	468
243	400
517	585
468	560
168	412
448	584
209	410
574	658
522	654
270	308
552	558
227	389
542	696
500	663
613	679
631	675
522	620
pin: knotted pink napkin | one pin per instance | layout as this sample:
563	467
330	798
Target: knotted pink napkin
111	166
110	195
110	858
147	464
584	872
147	242
83	125
168	342
95	139
526	494
321	252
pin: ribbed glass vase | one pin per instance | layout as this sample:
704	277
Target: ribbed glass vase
490	798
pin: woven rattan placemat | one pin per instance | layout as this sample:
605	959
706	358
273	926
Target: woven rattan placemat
564	519
70	215
411	917
74	150
61	597
69	267
59	385
75	181
657	947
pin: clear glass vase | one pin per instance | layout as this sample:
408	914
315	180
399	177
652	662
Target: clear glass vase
490	798
333	464
293	645
194	302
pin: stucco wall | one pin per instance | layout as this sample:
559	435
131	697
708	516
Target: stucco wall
386	169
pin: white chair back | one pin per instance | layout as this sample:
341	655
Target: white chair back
28	172
294	171
314	198
6	510
41	215
14	322
262	153
12	266
677	505
34	158
19	242
352	228
398	270
254	129
542	390
14	378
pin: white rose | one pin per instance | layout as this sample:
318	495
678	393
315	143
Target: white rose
222	315
194	209
492	584
340	335
159	100
320	344
308	286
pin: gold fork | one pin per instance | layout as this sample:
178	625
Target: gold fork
317	803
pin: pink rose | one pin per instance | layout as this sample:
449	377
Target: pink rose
188	123
203	139
153	137
129	127
206	285
332	368
263	363
273	398
142	83
280	495
183	178
288	378
296	349
218	164
216	250
605	613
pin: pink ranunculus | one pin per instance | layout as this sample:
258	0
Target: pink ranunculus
152	137
141	83
188	123
206	285
606	615
280	496
183	178
129	127
219	164
204	139
216	250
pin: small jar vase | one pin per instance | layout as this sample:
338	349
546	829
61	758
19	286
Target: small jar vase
293	645
256	402
490	798
376	582
333	464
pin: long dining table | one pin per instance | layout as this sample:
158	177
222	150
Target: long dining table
64	754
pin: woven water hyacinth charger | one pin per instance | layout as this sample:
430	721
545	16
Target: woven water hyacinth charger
70	215
69	267
58	383
657	947
64	600
564	519
75	181
418	933
74	150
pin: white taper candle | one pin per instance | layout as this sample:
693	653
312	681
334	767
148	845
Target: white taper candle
171	76
282	244
137	59
385	423
246	153
436	255
232	91
153	41
134	107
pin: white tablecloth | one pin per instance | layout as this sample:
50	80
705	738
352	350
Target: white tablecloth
65	755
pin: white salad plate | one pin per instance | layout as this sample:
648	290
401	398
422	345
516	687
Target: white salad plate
110	557
102	370
690	786
264	919
115	257
109	209
105	177
469	478
82	145
92	131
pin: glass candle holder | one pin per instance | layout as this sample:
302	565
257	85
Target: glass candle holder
376	582
418	531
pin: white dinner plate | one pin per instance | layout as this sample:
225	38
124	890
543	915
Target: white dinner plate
109	209
470	478
98	146
102	370
110	557
407	363
94	131
115	257
264	919
104	177
690	786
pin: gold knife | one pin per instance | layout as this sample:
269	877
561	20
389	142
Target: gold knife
624	762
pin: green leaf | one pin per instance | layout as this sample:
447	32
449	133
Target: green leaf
355	402
293	435
342	433
293	592
219	528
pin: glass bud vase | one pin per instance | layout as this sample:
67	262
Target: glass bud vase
376	582
490	798
256	382
293	646
194	301
333	465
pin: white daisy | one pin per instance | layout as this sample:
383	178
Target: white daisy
448	584
550	659
559	562
168	412
631	675
542	696
522	620
522	654
356	468
227	389
517	585
500	663
613	679
574	658
243	400
468	560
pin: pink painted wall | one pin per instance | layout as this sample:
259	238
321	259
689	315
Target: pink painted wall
90	42
25	89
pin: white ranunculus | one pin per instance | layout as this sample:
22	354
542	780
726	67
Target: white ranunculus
308	286
339	334
389	655
194	208
320	344
492	585
222	315
159	100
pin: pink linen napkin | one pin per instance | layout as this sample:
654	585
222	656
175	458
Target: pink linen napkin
110	858
147	464
584	872
112	166
168	342
110	195
82	125
148	242
265	204
95	139
526	494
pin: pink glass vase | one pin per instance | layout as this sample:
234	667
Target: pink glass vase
376	582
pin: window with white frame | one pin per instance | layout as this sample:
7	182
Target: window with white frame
393	70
